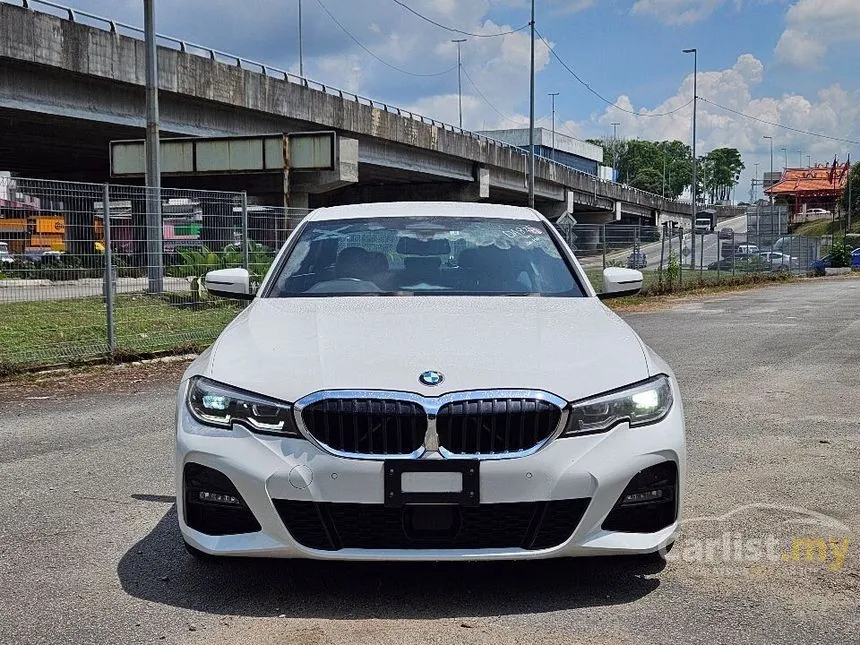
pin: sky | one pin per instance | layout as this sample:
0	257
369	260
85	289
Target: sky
789	62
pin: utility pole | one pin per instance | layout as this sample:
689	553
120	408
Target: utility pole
693	187
553	95
850	196
664	173
532	114
154	246
459	42
755	183
785	152
301	54
809	161
800	157
771	167
615	151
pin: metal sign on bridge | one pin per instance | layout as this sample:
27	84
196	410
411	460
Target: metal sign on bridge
227	155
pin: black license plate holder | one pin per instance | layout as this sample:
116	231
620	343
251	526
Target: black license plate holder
470	495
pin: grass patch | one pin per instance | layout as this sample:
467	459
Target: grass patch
73	331
692	280
738	283
823	227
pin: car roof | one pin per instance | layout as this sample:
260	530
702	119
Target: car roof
424	209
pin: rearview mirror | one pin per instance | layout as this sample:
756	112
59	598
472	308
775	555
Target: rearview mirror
618	283
229	283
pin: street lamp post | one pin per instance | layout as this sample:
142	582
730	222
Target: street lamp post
532	114
771	164
301	54
615	151
693	187
459	42
553	95
785	152
154	250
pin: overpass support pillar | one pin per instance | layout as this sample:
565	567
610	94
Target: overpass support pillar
299	184
556	210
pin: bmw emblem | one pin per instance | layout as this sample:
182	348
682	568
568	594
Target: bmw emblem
431	377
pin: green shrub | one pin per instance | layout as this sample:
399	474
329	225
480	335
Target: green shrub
840	254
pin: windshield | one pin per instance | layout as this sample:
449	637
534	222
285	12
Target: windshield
425	256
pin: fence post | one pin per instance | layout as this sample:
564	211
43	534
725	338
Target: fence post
662	256
603	233
719	256
734	253
702	257
245	240
109	274
680	257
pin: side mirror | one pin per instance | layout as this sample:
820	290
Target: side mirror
618	283
229	283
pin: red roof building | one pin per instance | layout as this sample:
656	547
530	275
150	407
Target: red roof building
802	189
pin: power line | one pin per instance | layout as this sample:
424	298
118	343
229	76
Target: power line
780	125
599	95
454	29
486	100
381	60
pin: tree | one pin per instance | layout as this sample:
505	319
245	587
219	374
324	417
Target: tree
662	167
854	182
718	173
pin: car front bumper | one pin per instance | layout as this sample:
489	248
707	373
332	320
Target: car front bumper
594	468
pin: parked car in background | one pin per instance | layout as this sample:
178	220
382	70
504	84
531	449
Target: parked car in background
745	250
817	213
637	260
37	256
819	266
779	260
5	256
726	233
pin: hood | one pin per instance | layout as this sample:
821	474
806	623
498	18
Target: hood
288	348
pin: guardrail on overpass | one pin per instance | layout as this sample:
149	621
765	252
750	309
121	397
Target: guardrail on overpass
578	178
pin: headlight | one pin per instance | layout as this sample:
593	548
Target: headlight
639	405
215	404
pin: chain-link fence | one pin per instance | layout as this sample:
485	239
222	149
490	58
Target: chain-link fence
59	241
673	255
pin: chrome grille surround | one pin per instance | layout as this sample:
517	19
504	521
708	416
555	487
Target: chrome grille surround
431	406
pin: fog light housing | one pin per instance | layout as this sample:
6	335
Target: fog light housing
649	502
213	505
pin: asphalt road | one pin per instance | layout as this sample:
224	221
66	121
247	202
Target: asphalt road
32	290
89	550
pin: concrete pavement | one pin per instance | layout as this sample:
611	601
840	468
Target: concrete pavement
90	552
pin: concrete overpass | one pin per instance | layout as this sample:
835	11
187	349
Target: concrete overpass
68	88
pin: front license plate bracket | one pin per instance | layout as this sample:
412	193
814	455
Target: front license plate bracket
469	495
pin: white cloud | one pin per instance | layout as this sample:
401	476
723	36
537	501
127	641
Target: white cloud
677	12
834	111
812	26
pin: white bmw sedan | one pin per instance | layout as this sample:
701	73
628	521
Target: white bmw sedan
427	381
